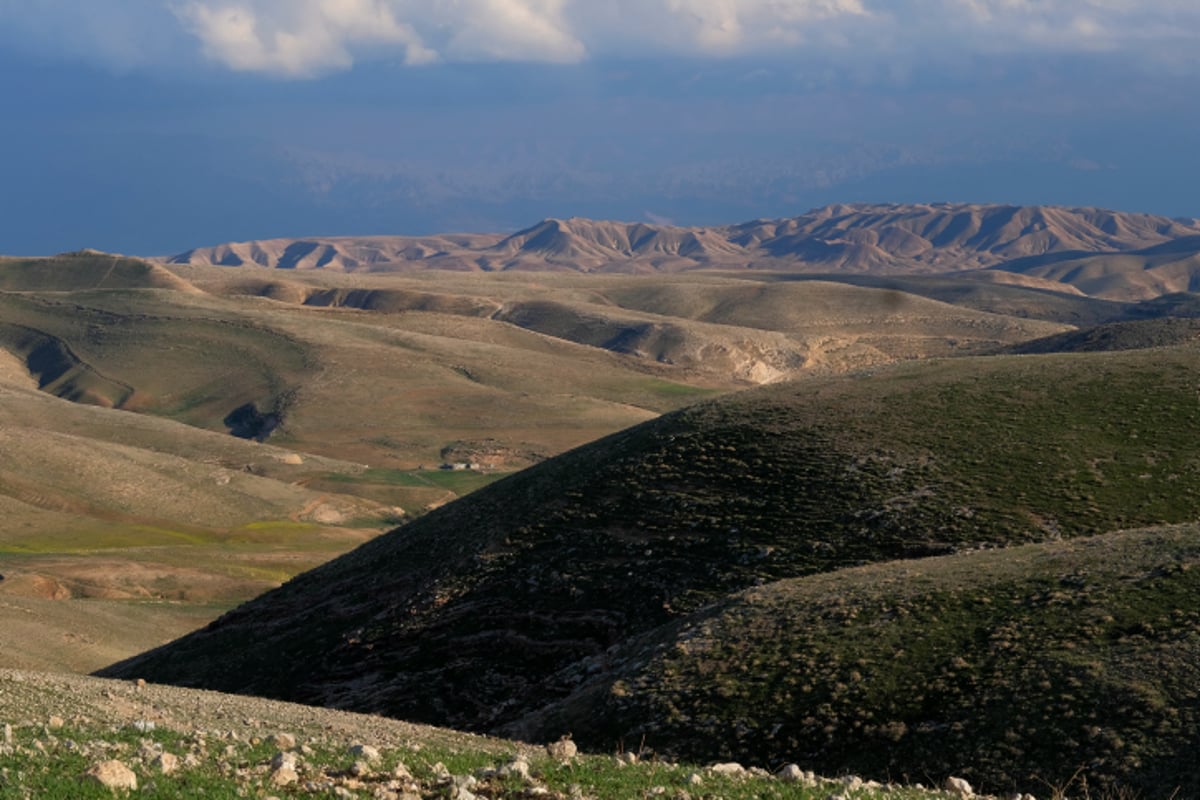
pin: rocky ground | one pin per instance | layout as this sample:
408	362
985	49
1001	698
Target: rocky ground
75	737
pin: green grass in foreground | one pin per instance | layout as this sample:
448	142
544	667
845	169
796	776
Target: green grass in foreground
458	481
50	764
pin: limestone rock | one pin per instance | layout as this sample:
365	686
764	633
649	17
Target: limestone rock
730	768
284	776
791	773
113	775
283	741
518	766
281	760
365	752
166	763
958	787
562	750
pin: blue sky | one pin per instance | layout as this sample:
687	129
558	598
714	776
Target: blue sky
152	126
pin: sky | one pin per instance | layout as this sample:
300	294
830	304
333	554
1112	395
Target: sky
152	126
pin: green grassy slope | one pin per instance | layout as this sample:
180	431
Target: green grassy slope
481	613
1020	669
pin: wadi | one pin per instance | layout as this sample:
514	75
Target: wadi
903	496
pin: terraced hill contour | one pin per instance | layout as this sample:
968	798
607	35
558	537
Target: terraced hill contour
553	600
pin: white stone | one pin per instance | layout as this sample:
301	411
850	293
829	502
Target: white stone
283	741
728	768
281	760
791	773
365	752
958	787
284	776
113	775
166	763
518	766
562	750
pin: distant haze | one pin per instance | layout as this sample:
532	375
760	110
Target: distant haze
149	127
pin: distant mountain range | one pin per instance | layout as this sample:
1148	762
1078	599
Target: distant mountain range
1101	253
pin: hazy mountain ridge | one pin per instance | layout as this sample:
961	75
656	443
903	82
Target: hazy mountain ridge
899	239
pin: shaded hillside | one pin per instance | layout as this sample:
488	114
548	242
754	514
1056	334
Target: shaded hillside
891	239
1131	275
1017	669
1134	335
501	604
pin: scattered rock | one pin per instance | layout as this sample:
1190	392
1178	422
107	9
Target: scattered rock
365	752
283	741
281	760
55	723
360	769
284	776
562	750
8	734
695	779
518	766
958	787
144	725
730	768
791	773
852	783
166	763
113	775
627	758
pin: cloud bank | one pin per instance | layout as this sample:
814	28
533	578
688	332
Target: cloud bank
304	38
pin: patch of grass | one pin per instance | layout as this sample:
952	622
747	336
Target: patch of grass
460	482
45	763
75	540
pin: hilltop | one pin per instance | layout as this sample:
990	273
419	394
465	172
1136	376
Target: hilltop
519	606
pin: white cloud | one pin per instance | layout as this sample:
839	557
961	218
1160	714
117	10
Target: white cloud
301	38
508	30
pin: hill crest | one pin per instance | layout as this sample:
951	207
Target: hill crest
894	239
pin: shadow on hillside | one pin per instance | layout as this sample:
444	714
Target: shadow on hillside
247	422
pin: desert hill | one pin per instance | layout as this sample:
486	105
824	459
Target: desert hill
194	436
87	269
845	239
495	611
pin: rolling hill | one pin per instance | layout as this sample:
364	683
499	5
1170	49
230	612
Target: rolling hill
569	597
225	428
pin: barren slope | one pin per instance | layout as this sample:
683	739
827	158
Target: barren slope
892	239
